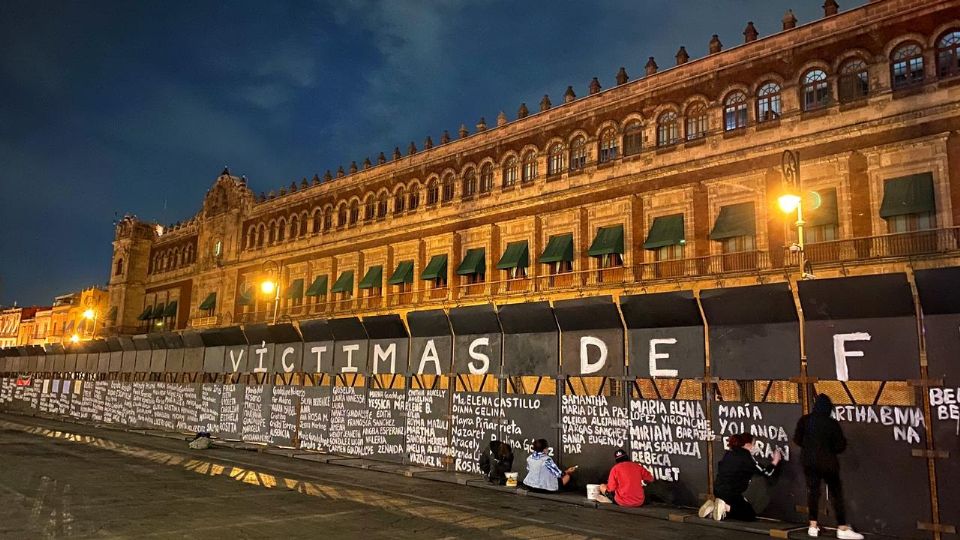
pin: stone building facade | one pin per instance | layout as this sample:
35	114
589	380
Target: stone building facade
669	181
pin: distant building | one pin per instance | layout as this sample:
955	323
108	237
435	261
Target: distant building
67	319
9	326
664	182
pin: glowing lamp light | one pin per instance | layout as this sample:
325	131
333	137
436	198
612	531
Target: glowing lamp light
788	203
74	338
89	314
267	287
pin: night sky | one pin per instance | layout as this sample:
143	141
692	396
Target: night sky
117	107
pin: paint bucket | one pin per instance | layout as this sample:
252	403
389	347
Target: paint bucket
511	479
592	490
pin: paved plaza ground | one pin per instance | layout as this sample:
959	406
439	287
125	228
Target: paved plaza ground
67	480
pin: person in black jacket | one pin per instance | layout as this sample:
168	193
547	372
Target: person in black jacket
496	462
820	439
734	472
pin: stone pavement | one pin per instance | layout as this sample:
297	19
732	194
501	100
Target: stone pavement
70	480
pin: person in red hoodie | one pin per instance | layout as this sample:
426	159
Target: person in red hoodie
625	484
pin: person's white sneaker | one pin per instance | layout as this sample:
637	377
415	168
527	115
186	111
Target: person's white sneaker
813	531
706	509
601	498
720	510
848	534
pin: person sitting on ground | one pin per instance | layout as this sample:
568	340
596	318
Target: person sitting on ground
543	475
734	472
820	440
625	483
496	462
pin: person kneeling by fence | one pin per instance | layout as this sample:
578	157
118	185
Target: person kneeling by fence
625	483
734	472
497	462
543	474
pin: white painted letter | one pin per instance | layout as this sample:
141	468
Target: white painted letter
654	356
585	365
318	351
235	362
262	350
349	368
380	354
840	353
287	368
484	359
429	354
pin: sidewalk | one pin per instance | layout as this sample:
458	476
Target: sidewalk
678	515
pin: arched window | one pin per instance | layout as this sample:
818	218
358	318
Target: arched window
157	263
261	235
369	208
251	237
342	215
328	219
668	132
815	90
294	227
696	121
354	212
317	221
554	160
906	65
632	138
735	111
303	224
469	183
854	80
608	145
768	102
190	254
948	54
433	192
271	233
382	206
486	178
399	201
281	230
510	172
178	255
578	154
119	268
529	167
447	186
414	198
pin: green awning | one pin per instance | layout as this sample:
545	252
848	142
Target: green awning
908	195
665	231
608	240
112	314
171	309
344	283
146	314
403	274
436	268
515	256
474	262
824	208
246	298
295	290
373	279
209	302
559	248
734	220
318	287
158	311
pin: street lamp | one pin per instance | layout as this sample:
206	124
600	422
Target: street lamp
74	338
90	314
270	286
792	201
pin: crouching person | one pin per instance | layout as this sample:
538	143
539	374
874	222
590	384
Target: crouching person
497	462
734	472
625	483
543	474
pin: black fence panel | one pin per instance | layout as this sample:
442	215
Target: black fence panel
665	335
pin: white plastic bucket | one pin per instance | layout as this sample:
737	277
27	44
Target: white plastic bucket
592	490
512	479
